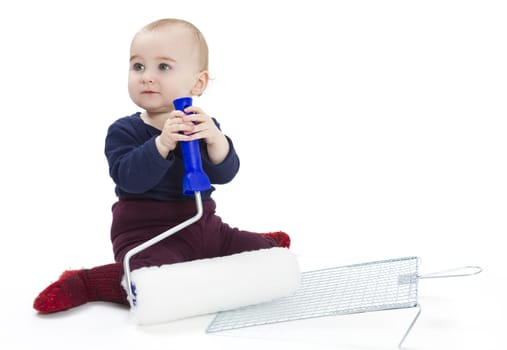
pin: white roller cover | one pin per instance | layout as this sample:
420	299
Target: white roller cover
198	287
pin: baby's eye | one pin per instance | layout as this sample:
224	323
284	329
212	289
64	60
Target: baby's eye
164	66
138	67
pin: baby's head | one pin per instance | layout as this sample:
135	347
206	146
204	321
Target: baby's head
168	60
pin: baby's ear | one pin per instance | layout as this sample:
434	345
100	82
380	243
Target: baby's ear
201	83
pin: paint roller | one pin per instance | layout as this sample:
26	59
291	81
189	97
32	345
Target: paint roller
175	291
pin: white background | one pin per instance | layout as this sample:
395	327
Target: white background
366	129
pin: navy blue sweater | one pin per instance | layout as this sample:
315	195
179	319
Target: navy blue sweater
139	171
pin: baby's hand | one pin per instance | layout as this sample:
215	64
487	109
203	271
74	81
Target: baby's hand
204	126
175	129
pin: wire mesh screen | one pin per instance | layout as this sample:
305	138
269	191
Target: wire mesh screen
372	286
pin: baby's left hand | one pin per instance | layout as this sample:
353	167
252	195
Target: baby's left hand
204	128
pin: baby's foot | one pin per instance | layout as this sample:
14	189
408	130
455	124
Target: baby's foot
281	238
67	292
76	287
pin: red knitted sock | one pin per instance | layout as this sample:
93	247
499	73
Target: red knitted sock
76	287
281	238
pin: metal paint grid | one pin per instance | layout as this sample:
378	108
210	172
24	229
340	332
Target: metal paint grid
365	287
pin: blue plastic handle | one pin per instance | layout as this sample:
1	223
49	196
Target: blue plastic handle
195	179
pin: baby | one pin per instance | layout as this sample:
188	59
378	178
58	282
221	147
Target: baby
168	60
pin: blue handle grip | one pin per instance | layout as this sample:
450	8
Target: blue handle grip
195	179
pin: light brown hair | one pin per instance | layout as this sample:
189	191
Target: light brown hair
199	37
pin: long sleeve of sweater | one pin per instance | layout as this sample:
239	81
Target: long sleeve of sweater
136	167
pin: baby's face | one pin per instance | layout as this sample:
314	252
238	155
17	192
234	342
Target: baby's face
164	65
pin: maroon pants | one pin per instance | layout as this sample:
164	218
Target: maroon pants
136	221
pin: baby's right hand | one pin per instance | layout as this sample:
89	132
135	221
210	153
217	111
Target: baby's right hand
175	129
